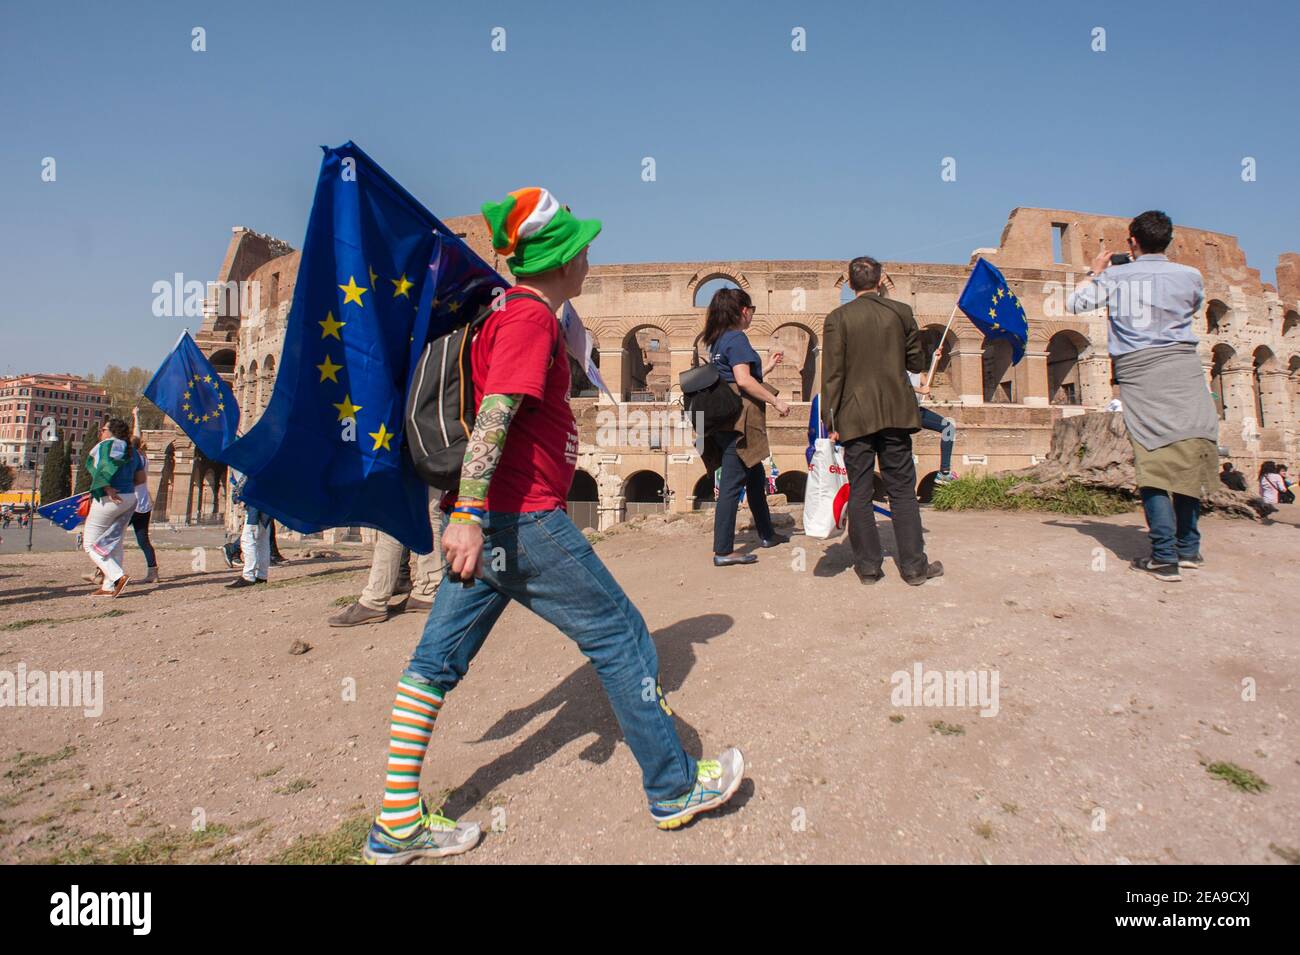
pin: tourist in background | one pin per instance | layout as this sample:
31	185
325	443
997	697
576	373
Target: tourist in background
390	574
1287	496
933	421
254	543
868	406
1171	419
143	503
740	449
112	464
1231	478
1271	484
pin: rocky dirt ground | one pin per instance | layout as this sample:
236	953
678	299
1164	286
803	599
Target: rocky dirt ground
1126	729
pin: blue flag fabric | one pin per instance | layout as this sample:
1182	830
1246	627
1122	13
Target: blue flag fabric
190	392
994	309
379	275
64	512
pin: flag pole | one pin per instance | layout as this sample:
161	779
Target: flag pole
944	337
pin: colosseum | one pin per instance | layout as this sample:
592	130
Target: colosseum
646	320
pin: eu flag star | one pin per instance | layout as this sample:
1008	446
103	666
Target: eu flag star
347	409
328	370
374	279
330	326
382	437
402	286
993	313
352	292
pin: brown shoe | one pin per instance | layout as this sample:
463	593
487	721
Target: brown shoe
412	604
356	615
121	583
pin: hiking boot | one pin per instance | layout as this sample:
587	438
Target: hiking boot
437	836
356	615
932	570
1158	570
1195	562
716	781
730	559
411	603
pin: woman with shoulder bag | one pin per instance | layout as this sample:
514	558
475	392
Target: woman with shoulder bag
739	447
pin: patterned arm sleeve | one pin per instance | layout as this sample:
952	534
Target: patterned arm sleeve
486	443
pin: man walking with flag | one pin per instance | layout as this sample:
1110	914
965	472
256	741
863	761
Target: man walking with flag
509	538
867	403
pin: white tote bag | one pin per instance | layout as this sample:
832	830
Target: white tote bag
826	490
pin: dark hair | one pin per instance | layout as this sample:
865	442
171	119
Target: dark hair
1281	467
1227	465
118	428
864	273
724	313
1152	231
1268	467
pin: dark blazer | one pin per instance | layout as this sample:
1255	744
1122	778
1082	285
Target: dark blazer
869	346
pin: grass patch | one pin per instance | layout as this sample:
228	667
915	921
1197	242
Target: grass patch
992	493
947	729
55	621
896	718
164	847
342	846
27	763
1243	779
268	773
297	786
984	829
316	578
347	600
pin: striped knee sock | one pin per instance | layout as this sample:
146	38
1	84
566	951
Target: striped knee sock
414	712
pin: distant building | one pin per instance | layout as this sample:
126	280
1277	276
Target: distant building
75	404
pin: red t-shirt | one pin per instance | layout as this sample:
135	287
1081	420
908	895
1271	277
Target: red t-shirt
519	352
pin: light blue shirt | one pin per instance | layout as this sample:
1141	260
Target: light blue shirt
1152	303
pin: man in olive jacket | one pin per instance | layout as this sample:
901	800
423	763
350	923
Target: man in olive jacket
868	405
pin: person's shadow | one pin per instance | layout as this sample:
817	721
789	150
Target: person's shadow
580	709
1124	541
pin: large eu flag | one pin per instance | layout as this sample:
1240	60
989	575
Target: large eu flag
994	309
188	389
379	275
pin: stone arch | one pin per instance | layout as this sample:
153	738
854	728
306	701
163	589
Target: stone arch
1291	324
1293	378
796	376
644	492
999	373
583	503
223	360
252	401
702	494
268	376
1264	362
943	387
166	482
729	277
647	363
1222	355
1217	317
925	490
792	484
580	386
1065	350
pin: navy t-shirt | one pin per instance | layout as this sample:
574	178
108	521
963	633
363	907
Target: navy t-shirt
733	348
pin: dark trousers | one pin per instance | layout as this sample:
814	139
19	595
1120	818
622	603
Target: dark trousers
894	449
1171	524
736	476
140	524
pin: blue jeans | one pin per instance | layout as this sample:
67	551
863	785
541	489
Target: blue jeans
542	560
736	478
947	428
1171	525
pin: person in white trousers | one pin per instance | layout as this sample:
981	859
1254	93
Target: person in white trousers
113	464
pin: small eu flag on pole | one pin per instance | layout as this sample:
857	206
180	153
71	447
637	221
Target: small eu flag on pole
64	513
190	392
994	309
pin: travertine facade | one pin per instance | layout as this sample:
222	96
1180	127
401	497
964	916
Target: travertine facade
647	318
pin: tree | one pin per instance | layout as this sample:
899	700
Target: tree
125	388
87	445
6	476
55	477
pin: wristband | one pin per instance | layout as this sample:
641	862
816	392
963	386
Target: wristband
460	517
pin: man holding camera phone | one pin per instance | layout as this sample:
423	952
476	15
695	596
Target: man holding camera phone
1170	416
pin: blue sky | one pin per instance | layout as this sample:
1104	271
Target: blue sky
760	152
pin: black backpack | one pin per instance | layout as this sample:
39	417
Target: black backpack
440	407
709	402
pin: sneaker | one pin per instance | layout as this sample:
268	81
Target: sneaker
943	477
1195	562
228	556
437	836
716	781
1156	569
244	582
118	587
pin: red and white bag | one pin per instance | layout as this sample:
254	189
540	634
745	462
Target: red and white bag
826	492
